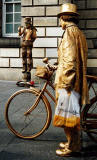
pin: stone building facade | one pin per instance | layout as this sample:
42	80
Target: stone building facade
44	18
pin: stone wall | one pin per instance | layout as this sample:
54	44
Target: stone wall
44	18
0	18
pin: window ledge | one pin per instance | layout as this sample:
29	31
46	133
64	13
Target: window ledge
9	42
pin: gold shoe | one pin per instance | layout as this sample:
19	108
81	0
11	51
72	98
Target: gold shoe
64	152
63	145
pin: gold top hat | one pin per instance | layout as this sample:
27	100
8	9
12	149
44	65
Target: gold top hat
27	20
68	8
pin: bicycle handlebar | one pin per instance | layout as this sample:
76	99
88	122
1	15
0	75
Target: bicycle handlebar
49	65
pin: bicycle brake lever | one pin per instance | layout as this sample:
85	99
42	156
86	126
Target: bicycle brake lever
45	60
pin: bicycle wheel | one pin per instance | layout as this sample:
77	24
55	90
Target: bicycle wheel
32	125
89	118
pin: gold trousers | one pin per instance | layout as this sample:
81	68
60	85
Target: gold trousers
73	137
27	58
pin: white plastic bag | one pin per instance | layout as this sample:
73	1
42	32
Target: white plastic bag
67	112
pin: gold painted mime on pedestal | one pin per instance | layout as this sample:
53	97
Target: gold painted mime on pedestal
28	34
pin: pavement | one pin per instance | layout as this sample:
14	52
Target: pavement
41	148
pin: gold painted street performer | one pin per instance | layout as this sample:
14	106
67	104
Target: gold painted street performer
70	80
28	33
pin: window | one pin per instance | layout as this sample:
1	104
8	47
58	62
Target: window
11	17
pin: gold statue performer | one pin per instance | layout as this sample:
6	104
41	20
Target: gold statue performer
28	34
70	80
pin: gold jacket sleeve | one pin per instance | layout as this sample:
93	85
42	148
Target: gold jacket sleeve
69	60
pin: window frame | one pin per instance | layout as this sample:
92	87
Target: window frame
4	34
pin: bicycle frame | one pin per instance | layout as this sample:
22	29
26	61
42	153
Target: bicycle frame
41	92
89	118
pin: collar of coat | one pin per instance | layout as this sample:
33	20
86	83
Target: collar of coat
68	25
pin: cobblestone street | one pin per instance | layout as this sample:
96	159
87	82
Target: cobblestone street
43	147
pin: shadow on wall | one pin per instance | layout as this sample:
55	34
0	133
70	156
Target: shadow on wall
95	43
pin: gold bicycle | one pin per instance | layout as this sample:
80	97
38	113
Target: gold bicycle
28	112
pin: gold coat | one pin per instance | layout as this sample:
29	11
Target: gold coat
72	62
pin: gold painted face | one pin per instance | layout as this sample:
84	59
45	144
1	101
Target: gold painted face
27	25
62	23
